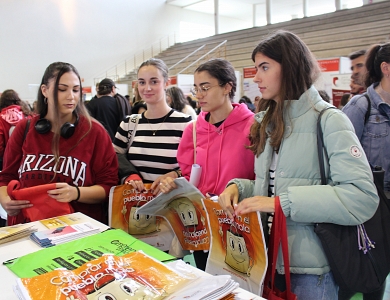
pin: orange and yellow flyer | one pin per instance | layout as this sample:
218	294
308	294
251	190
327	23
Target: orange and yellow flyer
183	209
124	202
237	247
134	275
65	220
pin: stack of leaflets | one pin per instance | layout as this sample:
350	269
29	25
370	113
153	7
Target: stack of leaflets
204	287
11	233
132	276
56	236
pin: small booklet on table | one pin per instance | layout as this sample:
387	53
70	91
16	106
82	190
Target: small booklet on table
51	237
64	220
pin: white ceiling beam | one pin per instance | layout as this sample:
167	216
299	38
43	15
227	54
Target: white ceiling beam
196	2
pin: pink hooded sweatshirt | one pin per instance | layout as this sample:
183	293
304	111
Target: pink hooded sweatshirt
9	117
221	151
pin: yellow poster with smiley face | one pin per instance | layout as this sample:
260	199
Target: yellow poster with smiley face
237	247
124	202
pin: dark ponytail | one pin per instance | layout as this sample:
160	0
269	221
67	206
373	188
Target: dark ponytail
377	54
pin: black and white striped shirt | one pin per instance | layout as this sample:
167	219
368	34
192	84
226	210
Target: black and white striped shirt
154	148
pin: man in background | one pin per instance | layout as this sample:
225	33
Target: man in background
109	107
358	68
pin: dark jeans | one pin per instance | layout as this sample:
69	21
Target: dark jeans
375	295
2	222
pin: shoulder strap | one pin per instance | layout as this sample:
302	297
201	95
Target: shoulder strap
120	110
320	146
26	129
194	138
368	112
134	119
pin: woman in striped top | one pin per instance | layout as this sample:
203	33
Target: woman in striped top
157	135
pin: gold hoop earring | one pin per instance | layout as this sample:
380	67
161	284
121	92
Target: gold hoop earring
45	100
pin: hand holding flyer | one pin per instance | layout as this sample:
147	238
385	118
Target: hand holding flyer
124	201
183	209
237	247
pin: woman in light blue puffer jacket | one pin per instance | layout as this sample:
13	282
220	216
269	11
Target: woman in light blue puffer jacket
287	168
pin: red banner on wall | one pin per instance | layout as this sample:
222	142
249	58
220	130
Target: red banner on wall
87	90
173	80
329	65
249	72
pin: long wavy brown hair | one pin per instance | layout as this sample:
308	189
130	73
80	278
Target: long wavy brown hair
299	71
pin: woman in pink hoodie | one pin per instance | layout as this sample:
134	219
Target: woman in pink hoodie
13	110
222	135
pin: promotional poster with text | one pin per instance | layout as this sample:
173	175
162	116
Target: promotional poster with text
237	247
123	204
132	276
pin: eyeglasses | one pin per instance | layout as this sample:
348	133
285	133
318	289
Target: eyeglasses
202	90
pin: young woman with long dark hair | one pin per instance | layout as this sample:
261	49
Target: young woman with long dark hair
62	145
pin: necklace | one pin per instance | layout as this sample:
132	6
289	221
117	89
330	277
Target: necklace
154	131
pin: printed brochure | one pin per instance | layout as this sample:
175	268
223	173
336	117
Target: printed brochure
61	221
59	235
183	209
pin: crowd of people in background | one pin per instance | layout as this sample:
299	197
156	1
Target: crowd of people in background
255	153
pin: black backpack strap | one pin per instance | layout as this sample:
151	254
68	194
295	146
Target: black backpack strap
26	129
123	105
321	147
120	110
368	112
